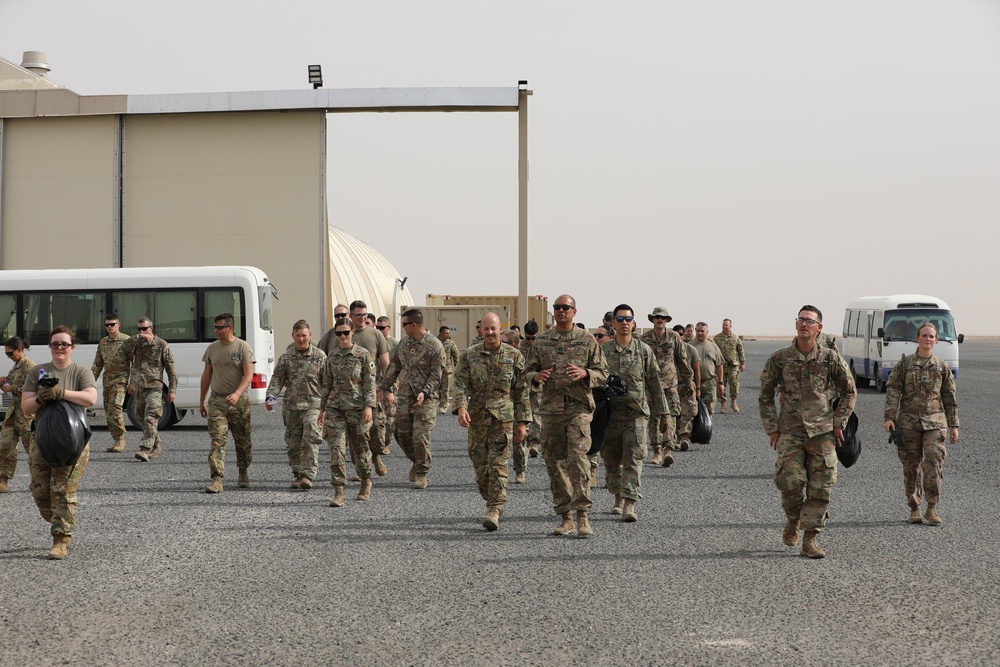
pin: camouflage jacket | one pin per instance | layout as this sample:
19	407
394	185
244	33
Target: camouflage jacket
808	384
492	382
555	349
115	365
348	380
450	355
732	348
920	394
298	374
671	357
149	361
17	376
418	365
636	365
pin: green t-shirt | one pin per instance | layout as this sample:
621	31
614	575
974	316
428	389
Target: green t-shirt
227	361
74	377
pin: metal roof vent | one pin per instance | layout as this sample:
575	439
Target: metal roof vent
37	62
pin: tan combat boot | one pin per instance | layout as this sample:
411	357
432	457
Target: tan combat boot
491	521
60	546
297	482
736	407
628	511
619	505
566	527
668	458
593	475
413	473
244	481
142	455
933	518
355	477
338	497
156	451
583	528
790	535
305	483
215	486
533	450
685	445
722	407
379	465
420	481
519	478
810	547
915	515
4	486
118	446
366	490
656	457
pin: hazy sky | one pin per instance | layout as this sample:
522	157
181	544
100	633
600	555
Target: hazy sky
723	159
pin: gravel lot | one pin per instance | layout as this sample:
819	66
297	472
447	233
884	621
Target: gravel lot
162	574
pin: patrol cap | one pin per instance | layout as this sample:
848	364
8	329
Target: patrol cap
659	311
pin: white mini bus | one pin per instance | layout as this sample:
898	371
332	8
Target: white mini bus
182	302
878	330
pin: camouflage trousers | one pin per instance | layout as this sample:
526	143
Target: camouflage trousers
413	431
662	431
385	422
223	418
343	428
709	394
689	410
732	381
446	389
302	440
149	407
922	456
624	451
114	398
564	447
17	426
54	490
489	449
808	464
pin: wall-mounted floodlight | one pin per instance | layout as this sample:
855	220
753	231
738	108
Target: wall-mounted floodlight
316	76
522	84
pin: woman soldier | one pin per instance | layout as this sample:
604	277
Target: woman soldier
347	388
17	425
920	398
54	489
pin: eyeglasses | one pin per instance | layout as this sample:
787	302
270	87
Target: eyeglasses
111	324
365	314
220	327
599	336
624	318
381	327
529	338
805	320
147	328
342	333
9	353
59	345
561	306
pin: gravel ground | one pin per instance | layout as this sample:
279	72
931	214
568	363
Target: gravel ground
162	574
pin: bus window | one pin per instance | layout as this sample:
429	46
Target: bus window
264	295
876	323
174	312
219	301
81	311
8	319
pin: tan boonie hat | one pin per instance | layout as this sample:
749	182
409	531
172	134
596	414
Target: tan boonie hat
659	311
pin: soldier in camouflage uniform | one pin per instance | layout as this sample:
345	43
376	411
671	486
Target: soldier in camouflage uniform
298	373
531	444
347	405
712	365
16	425
566	363
731	346
417	362
624	447
920	399
385	415
150	357
688	393
668	347
450	356
808	430
116	372
490	395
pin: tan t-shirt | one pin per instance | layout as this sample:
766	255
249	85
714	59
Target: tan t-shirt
74	377
227	361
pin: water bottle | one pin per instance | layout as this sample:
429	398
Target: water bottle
271	400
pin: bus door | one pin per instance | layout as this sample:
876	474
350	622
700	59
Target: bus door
875	342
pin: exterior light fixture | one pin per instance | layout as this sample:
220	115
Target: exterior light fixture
316	76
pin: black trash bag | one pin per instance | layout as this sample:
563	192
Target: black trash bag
613	387
61	433
849	453
701	427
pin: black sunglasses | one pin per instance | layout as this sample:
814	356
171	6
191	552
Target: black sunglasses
381	327
561	306
342	333
624	318
599	336
111	324
147	328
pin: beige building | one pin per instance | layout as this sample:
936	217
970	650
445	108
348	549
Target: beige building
194	179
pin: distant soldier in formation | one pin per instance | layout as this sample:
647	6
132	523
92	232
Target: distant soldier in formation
16	424
298	374
385	415
535	427
671	357
479	333
731	346
150	358
116	373
450	357
490	397
688	393
712	367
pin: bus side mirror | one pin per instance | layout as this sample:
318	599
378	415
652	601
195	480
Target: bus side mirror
961	338
880	333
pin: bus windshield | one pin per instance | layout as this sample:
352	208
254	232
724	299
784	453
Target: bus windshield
903	324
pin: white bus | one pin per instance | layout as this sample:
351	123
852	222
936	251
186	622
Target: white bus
878	330
182	302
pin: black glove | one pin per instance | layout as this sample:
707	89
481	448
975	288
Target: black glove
46	394
896	437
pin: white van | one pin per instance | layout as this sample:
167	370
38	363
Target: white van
878	330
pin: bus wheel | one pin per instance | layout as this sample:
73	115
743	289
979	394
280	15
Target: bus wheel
167	419
859	382
879	384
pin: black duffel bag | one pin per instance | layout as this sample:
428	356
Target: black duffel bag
849	452
613	387
701	427
61	433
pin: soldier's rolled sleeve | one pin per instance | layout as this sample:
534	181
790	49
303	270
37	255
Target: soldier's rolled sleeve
769	378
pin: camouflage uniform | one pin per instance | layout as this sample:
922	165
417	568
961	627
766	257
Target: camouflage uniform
385	415
674	373
566	407
116	372
920	398
222	417
149	362
450	356
298	374
535	427
625	439
731	347
490	385
710	356
807	457
347	386
418	365
16	425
